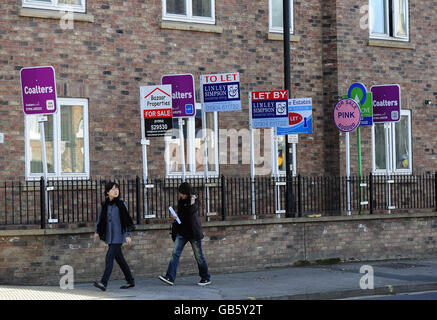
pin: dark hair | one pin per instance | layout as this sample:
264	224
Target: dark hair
109	185
185	188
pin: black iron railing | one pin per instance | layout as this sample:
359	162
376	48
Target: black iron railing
222	198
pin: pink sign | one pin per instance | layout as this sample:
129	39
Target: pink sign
347	115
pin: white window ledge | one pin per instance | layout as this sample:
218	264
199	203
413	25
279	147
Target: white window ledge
52	14
391	44
187	26
280	37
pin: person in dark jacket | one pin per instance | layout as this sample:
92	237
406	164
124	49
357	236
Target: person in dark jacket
114	226
189	230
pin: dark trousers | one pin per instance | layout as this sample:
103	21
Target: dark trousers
114	252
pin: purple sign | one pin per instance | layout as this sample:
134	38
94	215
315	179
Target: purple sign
38	90
386	103
183	100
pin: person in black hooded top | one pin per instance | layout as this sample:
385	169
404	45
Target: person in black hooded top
114	226
190	230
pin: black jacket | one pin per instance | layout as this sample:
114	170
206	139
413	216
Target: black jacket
190	227
126	221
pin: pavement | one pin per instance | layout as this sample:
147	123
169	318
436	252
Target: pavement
311	282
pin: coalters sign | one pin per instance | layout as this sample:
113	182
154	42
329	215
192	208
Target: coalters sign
156	109
38	89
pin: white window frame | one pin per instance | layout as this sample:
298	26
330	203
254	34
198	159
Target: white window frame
188	17
280	29
391	23
54	5
57	174
392	149
275	168
191	150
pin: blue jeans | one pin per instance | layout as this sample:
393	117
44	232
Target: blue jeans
179	245
114	252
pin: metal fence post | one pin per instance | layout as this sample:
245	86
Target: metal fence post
435	190
371	192
138	199
299	195
223	197
42	202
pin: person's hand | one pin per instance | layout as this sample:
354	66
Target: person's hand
193	199
96	236
128	240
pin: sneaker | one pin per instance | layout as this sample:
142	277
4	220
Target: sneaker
204	282
99	285
166	280
128	285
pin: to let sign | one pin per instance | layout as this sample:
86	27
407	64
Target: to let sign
220	92
268	108
386	103
347	115
156	110
182	86
38	90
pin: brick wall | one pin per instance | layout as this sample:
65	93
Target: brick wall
35	256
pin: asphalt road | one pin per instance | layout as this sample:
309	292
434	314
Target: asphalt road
429	295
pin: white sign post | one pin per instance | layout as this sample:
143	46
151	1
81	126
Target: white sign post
156	120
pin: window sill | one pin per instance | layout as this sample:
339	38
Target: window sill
186	26
280	37
52	14
391	44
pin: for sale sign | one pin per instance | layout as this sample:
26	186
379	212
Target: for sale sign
220	92
268	108
156	110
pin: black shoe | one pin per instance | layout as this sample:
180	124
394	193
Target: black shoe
99	285
166	280
204	282
128	285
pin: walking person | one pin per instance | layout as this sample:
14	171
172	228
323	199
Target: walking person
114	226
189	230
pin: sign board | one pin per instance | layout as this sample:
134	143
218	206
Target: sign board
220	92
182	86
268	108
358	92
38	90
386	103
347	115
156	110
300	117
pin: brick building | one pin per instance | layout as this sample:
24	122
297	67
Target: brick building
103	51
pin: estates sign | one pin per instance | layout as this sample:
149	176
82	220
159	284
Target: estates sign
220	92
386	103
300	117
156	110
268	108
347	115
183	99
38	89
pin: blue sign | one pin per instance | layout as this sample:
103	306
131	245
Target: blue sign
220	92
300	117
268	108
189	109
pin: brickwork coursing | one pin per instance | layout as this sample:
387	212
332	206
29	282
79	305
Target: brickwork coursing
32	257
107	60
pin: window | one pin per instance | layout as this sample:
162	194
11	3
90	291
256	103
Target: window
66	137
198	11
193	146
400	159
388	19
65	5
276	16
278	155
